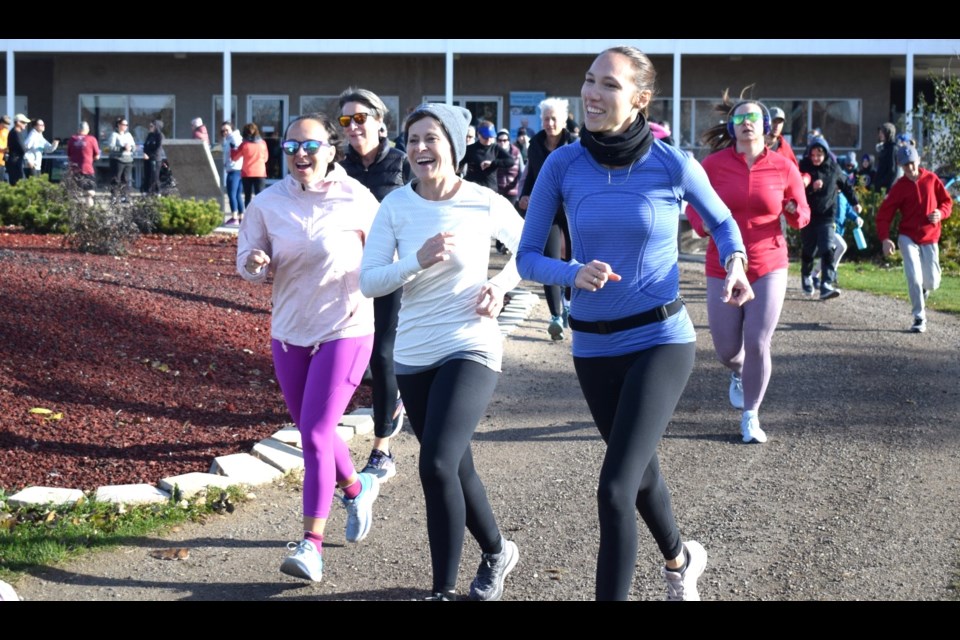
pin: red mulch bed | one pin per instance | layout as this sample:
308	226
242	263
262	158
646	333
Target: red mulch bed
158	361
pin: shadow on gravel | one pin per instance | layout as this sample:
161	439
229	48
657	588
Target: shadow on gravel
553	433
228	591
203	591
188	297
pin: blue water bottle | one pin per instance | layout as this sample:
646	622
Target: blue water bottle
859	239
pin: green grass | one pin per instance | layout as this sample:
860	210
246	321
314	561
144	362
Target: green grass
34	537
888	280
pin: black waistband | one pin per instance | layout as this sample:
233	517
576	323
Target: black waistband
658	314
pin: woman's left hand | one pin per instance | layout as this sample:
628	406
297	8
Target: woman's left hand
490	301
736	288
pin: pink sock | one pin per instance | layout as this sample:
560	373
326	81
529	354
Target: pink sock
352	491
315	538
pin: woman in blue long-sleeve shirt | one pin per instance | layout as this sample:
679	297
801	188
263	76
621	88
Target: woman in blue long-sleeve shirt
633	343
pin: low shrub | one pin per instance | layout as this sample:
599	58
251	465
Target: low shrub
35	204
180	216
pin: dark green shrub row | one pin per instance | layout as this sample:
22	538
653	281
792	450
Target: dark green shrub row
39	206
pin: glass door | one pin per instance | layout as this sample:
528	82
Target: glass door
269	113
481	107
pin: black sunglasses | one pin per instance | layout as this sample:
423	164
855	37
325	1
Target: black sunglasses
359	118
310	147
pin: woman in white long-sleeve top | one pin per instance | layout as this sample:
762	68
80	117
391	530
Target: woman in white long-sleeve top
448	349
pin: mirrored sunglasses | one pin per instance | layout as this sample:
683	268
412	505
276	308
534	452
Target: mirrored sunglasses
359	118
752	116
310	147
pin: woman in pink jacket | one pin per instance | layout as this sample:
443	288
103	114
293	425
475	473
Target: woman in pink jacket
253	173
758	186
309	231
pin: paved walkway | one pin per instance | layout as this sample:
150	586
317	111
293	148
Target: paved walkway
855	496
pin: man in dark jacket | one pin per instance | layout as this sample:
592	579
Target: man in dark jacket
817	238
484	157
886	162
16	149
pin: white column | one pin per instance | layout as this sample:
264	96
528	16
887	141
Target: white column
448	79
11	94
227	87
908	100
675	126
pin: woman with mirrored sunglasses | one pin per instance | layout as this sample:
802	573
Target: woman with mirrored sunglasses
381	168
758	185
309	231
633	342
254	153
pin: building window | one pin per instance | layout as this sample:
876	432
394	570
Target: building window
839	119
102	110
330	105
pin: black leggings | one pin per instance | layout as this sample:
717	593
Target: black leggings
385	310
632	398
559	237
444	406
251	187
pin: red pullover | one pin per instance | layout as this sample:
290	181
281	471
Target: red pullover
914	201
756	197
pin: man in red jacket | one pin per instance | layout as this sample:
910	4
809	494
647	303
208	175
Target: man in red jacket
923	203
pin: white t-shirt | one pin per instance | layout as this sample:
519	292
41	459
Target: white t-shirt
438	314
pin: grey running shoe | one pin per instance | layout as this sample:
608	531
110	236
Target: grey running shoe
919	325
682	585
556	328
360	509
807	284
381	465
305	562
493	569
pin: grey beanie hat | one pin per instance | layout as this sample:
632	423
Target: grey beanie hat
907	154
455	121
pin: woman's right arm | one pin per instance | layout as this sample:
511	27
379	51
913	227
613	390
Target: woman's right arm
379	274
547	197
253	246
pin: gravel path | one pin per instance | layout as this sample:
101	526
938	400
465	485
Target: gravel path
856	496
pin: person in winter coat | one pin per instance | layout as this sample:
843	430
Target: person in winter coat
823	178
121	145
153	155
923	204
484	157
383	169
886	171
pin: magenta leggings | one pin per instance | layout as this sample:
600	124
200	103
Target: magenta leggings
742	336
317	384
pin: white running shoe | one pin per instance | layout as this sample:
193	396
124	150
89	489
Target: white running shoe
750	428
736	391
306	561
